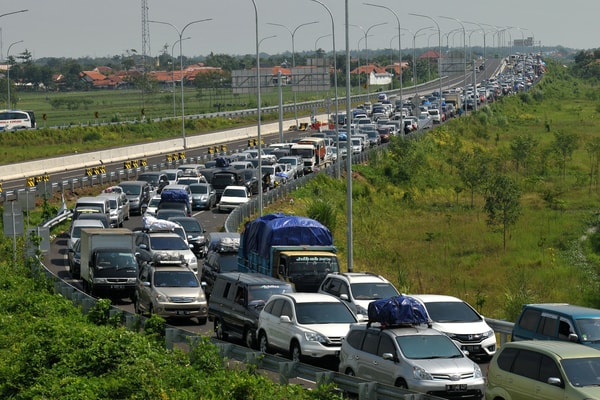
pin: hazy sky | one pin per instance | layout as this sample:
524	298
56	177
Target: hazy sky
77	28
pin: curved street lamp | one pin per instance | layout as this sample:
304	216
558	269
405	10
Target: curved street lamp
293	34
400	71
8	72
464	51
180	33
173	71
366	35
4	15
439	55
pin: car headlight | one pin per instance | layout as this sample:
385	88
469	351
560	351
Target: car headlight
488	334
422	375
161	298
315	337
477	372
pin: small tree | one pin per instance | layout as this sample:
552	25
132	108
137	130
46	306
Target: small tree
564	145
474	170
503	205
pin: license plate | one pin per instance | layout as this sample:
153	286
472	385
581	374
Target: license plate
471	348
117	286
456	388
183	312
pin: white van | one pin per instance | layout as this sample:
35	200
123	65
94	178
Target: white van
12	120
101	203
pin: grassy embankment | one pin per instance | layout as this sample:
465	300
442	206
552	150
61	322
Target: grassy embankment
413	221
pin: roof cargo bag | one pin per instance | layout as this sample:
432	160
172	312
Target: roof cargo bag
398	310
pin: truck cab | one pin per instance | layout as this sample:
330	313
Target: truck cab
305	270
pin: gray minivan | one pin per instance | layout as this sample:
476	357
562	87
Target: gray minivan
138	193
558	321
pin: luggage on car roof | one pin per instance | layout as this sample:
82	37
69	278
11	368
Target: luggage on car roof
398	310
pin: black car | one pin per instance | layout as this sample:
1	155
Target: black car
237	299
251	180
157	180
222	257
195	233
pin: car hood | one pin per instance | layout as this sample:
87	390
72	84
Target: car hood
452	367
329	330
173	292
227	199
462	328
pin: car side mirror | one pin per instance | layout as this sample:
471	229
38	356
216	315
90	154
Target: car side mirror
285	319
388	356
344	297
573	338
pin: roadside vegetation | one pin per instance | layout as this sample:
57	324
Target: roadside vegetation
499	208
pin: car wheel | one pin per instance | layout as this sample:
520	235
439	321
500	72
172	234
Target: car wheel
401	383
295	352
248	338
136	305
221	334
263	343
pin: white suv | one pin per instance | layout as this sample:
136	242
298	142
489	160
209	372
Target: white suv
417	358
303	325
461	323
358	289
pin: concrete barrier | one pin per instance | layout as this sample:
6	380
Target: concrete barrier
92	159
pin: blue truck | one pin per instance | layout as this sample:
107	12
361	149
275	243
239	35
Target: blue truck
295	249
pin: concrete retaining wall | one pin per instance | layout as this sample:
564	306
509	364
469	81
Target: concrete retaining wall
92	159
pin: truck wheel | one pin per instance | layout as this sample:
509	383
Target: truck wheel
221	334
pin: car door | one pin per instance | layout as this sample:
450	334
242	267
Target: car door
276	334
371	365
143	292
529	374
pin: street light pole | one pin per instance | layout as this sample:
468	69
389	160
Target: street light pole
8	72
335	84
293	34
4	15
464	54
400	71
180	33
173	71
440	51
415	80
366	32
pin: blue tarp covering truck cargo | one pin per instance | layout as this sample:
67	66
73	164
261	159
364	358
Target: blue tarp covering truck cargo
293	248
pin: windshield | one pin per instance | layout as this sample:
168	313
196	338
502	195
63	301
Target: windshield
175	279
373	291
304	153
131	189
190	225
152	179
428	346
264	292
324	313
590	329
582	371
313	265
154	202
199	189
234	193
115	264
168	243
451	311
